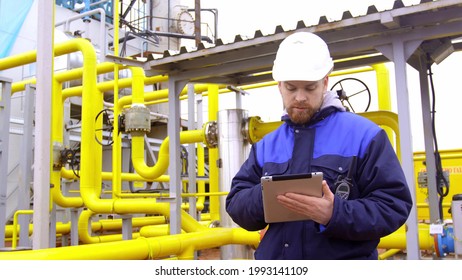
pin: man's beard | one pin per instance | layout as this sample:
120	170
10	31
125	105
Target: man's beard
301	117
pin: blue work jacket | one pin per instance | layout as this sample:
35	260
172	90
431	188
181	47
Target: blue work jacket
333	142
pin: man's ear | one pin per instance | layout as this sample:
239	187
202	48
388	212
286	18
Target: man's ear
326	83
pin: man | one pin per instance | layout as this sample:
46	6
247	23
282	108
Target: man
365	195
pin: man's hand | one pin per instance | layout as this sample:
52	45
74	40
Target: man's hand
314	208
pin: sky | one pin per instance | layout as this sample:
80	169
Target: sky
245	17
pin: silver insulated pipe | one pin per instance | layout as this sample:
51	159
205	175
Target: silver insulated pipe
233	149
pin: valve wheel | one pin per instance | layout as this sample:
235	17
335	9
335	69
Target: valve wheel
351	91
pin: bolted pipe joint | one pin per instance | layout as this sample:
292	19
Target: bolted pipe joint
137	119
211	134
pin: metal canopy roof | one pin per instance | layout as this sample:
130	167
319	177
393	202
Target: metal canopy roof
237	63
403	34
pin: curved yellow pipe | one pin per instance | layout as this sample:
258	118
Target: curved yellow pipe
15	225
143	248
86	238
388	119
89	68
152	172
63	76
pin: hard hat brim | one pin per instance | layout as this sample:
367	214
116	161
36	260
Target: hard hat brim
300	75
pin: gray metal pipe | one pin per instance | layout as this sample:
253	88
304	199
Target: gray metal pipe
233	149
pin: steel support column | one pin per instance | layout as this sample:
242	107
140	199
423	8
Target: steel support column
42	141
192	152
174	169
25	165
5	108
430	162
398	52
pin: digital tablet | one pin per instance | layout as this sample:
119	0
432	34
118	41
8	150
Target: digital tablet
272	186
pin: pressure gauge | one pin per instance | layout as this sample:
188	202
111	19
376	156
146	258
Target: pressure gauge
185	23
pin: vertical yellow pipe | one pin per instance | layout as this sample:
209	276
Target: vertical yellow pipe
14	235
116	147
383	86
383	93
137	98
213	156
200	173
57	140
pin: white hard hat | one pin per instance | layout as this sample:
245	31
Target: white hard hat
302	56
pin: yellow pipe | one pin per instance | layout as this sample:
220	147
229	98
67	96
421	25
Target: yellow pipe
383	92
117	141
142	248
190	136
63	76
98	226
107	176
90	173
383	86
389	253
15	225
258	128
86	215
388	119
200	172
397	240
158	95
213	156
109	85
57	139
86	238
161	230
82	45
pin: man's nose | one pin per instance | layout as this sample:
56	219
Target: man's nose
300	96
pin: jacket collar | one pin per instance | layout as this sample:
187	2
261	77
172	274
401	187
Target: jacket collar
330	105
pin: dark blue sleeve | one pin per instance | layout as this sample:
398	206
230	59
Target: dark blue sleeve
244	201
385	200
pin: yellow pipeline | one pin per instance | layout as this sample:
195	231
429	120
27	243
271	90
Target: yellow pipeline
214	156
117	142
69	174
143	248
191	136
90	175
397	240
138	93
86	238
258	129
390	120
109	85
389	253
57	139
160	96
15	225
89	64
100	225
200	172
63	76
